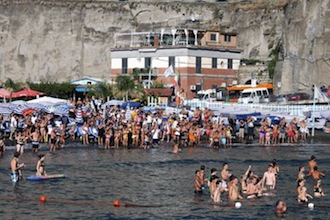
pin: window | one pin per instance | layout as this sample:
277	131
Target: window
147	62
213	37
171	61
214	63
124	66
198	65
230	64
227	38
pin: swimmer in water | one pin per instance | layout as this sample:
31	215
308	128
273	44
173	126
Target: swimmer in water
197	183
316	174
225	175
280	207
269	179
233	190
176	148
16	173
312	163
301	174
253	189
217	192
276	167
40	166
302	195
318	192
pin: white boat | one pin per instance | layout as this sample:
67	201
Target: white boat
318	124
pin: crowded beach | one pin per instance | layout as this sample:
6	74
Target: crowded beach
93	123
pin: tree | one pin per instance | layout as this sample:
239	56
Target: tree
102	90
124	85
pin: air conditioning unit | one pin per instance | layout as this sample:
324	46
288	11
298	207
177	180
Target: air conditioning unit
193	87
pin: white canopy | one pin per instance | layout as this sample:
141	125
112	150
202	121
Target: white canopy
47	99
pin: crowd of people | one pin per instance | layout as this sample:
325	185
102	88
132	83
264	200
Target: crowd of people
224	184
91	122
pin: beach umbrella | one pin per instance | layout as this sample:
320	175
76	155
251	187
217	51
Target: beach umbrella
114	102
26	93
4	93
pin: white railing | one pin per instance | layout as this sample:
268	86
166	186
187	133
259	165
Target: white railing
292	109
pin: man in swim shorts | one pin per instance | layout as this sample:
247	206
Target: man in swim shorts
312	163
16	172
225	175
269	179
197	183
35	140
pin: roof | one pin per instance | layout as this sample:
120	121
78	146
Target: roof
162	92
85	80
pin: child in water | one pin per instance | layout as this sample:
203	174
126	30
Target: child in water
40	166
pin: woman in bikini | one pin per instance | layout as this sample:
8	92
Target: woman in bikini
301	174
107	139
261	131
318	192
275	134
302	195
135	135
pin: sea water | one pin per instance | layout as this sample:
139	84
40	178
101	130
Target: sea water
160	182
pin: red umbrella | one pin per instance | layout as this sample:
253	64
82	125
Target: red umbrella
4	93
26	93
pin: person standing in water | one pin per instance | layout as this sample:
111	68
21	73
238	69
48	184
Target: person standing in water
35	140
16	173
2	147
301	174
40	166
311	164
269	179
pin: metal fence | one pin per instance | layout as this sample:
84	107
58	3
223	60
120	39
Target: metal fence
292	109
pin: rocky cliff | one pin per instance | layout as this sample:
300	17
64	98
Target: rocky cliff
63	40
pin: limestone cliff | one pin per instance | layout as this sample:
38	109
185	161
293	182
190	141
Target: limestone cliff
67	39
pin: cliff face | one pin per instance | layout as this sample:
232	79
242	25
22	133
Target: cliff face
306	45
64	40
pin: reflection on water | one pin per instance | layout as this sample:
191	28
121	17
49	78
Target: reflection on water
156	177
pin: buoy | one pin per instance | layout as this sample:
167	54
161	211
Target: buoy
116	203
43	199
238	205
311	205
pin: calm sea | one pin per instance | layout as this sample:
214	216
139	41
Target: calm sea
157	180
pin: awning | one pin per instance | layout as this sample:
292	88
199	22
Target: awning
82	89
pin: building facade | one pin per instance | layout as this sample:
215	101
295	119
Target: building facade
200	60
